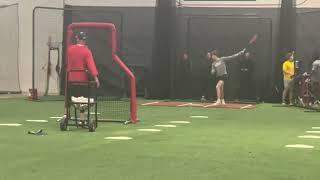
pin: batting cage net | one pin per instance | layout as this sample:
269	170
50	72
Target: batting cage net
308	40
199	35
117	94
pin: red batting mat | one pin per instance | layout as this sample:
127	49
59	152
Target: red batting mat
203	105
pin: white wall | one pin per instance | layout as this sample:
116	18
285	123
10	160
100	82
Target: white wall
9	74
251	4
8	2
234	4
308	3
113	3
25	33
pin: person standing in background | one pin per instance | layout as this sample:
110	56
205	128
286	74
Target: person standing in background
208	78
288	73
246	84
184	66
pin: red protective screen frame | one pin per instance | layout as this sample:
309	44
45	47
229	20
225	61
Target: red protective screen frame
115	57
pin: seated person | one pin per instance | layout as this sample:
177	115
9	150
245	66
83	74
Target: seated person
80	63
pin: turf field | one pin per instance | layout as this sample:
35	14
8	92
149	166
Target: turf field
230	144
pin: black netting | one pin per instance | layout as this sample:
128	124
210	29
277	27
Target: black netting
308	38
229	35
113	103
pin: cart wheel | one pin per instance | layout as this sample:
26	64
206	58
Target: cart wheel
92	125
63	124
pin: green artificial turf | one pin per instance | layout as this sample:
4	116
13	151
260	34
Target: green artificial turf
229	145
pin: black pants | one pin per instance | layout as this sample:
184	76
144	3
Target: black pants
246	89
208	87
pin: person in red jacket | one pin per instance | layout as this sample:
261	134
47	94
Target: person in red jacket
80	67
80	58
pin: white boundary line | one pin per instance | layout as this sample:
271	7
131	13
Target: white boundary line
203	117
32	120
197	105
316	132
210	105
182	105
55	117
299	146
180	122
118	138
246	107
149	130
11	124
150	103
166	125
309	137
315	127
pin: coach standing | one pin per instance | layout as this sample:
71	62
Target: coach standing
288	72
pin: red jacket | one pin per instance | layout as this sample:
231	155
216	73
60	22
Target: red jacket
80	58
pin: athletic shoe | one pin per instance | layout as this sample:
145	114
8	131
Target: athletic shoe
203	99
283	104
217	103
223	102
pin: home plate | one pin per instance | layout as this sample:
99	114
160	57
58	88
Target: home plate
316	132
204	117
118	138
299	146
36	120
180	122
167	125
12	124
310	137
149	130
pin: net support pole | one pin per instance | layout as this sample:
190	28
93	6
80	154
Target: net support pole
115	57
133	105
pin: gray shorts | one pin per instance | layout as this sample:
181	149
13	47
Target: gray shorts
287	83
